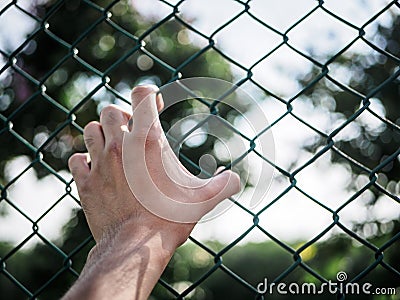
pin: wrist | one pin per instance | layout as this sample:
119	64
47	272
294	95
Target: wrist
133	234
170	234
113	263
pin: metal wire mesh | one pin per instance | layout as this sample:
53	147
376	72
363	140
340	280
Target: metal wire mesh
39	94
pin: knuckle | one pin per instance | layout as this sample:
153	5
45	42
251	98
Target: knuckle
108	110
90	132
89	141
115	147
91	128
75	162
144	89
145	139
72	160
110	114
154	134
72	164
91	125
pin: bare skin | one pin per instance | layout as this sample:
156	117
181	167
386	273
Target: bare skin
133	245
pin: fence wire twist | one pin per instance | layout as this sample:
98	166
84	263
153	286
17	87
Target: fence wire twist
137	45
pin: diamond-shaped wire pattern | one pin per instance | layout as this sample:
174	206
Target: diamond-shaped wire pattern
109	39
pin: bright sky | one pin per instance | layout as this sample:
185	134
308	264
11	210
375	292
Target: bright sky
293	217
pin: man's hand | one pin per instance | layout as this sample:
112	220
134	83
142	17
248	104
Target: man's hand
126	197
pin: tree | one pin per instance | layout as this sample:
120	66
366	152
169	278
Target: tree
372	84
73	61
101	48
66	65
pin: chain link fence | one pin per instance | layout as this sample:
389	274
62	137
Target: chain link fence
74	59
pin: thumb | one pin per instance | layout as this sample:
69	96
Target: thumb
222	186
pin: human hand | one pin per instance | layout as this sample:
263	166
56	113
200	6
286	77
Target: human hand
144	188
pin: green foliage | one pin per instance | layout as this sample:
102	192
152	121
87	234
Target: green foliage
105	52
73	62
365	74
252	262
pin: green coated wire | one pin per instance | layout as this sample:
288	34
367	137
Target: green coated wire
138	46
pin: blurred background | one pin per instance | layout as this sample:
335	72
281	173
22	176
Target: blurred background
324	73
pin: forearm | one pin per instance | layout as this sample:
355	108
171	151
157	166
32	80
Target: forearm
123	266
127	261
